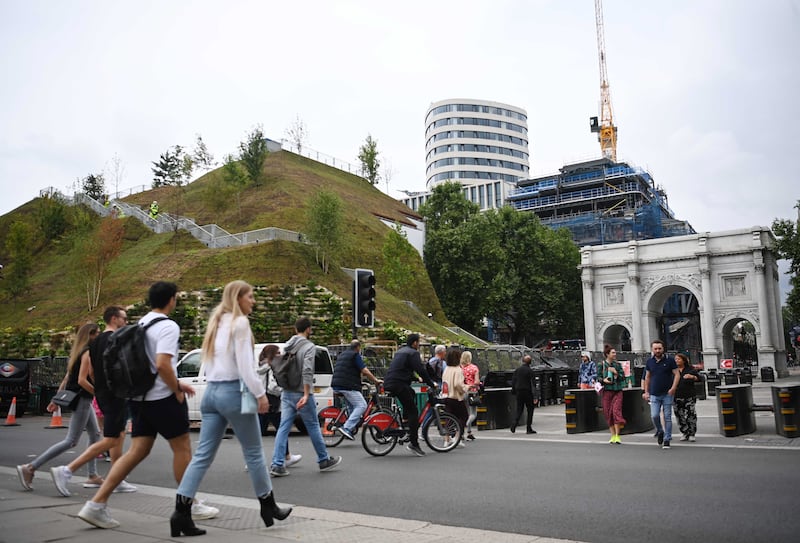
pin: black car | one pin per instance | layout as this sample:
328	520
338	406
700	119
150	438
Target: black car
15	382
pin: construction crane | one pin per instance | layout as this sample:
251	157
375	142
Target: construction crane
606	131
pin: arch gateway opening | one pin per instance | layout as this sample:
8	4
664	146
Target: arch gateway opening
714	295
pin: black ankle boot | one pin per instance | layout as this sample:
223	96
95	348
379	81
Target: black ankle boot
181	520
270	510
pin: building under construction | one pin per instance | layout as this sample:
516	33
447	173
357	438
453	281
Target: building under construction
600	202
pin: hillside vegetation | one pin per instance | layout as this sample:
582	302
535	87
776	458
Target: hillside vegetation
281	201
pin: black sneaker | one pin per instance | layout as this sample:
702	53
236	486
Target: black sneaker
345	432
660	438
665	445
415	449
470	437
330	463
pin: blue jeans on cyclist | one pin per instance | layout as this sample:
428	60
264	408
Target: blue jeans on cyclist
408	399
308	414
355	400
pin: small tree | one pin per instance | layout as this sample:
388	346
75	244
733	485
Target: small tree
297	134
18	245
173	168
201	156
370	164
325	217
94	257
94	186
398	254
253	153
116	172
787	246
235	177
51	217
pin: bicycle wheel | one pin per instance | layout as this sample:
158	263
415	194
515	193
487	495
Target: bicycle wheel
373	439
327	420
445	435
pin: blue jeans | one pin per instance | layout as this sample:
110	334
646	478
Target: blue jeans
308	414
83	417
657	403
357	405
221	405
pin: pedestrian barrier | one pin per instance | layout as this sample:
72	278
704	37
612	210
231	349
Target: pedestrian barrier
737	410
583	411
786	400
11	419
56	421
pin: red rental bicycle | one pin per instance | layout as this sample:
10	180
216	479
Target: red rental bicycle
441	430
331	418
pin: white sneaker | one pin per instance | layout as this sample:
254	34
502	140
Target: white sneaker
97	516
691	439
125	486
201	511
293	459
61	479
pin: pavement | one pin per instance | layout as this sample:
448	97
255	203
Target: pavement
43	515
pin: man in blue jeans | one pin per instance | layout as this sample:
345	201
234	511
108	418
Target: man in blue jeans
346	381
661	380
301	401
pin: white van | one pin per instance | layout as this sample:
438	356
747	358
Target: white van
192	372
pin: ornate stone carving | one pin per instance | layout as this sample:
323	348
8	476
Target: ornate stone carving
620	320
724	316
670	278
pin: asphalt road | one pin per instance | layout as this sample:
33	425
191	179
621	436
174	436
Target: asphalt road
587	492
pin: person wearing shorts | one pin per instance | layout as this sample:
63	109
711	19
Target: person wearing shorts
162	410
115	410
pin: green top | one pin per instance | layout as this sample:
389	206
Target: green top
618	382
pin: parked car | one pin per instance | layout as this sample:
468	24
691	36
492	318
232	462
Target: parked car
192	372
15	382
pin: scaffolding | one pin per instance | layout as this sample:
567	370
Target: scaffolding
600	202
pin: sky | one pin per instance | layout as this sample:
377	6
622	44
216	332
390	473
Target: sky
704	92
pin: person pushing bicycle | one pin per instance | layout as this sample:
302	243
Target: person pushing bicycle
398	378
347	381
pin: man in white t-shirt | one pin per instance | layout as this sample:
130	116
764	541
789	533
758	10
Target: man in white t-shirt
162	410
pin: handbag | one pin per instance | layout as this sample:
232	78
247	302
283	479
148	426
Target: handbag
474	399
66	398
249	402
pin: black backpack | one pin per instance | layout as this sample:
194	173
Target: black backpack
126	363
288	370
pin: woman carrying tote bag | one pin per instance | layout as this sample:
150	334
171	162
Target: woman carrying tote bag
230	362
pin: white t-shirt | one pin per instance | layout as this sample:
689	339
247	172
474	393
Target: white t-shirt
162	338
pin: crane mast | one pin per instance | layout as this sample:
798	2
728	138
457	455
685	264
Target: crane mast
606	131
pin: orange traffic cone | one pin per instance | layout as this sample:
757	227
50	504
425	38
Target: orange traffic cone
11	419
56	421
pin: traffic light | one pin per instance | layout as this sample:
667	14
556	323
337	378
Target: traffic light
364	298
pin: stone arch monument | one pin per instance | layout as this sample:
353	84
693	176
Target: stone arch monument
718	280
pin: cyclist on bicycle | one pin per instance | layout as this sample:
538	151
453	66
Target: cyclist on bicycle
405	364
347	381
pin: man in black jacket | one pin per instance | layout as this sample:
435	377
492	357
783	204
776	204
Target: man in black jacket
405	364
347	381
522	385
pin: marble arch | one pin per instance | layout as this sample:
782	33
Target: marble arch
732	274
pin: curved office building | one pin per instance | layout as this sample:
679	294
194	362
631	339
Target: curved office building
475	142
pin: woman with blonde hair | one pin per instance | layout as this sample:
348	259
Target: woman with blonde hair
83	416
229	359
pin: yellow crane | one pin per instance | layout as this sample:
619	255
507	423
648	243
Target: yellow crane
606	131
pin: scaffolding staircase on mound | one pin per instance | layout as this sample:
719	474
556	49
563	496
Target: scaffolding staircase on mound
211	235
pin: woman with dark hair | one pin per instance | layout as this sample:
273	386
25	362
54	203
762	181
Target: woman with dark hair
83	416
453	388
613	378
265	358
685	399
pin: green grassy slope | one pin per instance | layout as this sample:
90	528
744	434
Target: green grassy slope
281	202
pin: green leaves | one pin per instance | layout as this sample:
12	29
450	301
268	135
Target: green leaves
368	156
253	153
325	229
788	247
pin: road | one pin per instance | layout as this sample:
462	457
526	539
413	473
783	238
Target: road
522	484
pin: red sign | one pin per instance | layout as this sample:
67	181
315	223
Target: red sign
726	364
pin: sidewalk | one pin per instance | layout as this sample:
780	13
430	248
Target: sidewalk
33	517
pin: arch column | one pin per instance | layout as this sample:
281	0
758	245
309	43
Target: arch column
707	332
637	332
766	339
588	312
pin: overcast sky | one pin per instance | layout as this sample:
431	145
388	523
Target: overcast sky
705	92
